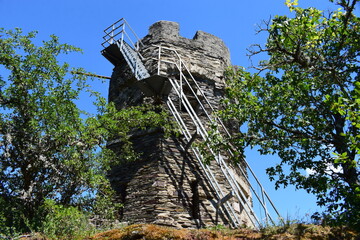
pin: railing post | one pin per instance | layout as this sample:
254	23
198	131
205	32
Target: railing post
122	36
181	85
112	35
136	70
264	203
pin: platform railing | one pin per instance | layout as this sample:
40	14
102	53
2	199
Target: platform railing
118	31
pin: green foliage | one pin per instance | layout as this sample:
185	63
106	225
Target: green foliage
65	222
218	227
49	148
5	229
104	212
304	105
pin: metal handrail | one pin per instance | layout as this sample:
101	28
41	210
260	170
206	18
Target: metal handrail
210	176
112	32
221	163
218	120
204	135
121	19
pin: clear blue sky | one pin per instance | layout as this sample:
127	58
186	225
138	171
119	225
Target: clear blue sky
81	23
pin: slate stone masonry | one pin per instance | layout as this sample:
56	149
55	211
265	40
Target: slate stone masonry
167	186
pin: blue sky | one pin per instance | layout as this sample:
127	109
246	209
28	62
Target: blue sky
81	23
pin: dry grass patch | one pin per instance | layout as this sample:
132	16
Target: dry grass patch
289	232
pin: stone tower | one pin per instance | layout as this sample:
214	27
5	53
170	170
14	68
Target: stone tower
169	184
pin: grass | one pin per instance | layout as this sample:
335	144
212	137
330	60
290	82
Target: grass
288	231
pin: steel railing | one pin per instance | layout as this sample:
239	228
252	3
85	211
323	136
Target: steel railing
203	132
119	28
185	77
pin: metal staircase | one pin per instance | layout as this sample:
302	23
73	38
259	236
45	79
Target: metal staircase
130	54
193	124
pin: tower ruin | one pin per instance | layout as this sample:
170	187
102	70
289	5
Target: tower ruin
170	184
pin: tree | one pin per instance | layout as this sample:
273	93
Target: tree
49	148
303	105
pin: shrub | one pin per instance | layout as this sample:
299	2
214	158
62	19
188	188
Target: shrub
65	222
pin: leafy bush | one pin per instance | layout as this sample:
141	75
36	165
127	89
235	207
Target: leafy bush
65	222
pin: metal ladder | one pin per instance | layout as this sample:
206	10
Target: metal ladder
195	128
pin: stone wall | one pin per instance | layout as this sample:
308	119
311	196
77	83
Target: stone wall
206	55
167	185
